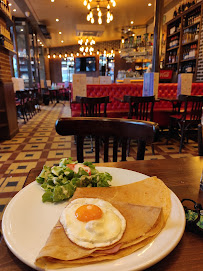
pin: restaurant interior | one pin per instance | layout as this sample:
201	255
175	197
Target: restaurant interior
112	82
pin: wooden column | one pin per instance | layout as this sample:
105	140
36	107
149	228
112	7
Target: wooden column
158	21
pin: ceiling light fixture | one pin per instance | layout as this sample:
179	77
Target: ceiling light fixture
10	4
99	8
52	1
149	4
60	33
14	10
62	41
57	20
48	56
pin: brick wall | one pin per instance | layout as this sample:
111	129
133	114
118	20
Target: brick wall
200	58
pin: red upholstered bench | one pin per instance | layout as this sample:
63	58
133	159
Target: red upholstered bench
162	109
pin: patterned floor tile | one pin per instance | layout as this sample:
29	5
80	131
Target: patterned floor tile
28	155
61	145
38	139
8	148
4	156
39	134
23	167
14	140
59	154
22	134
32	147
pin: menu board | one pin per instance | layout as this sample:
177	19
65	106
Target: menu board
105	80
18	84
89	80
48	83
184	83
151	84
79	85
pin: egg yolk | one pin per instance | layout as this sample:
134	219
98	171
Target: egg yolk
88	212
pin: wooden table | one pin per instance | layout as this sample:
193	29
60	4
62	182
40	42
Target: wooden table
57	92
182	176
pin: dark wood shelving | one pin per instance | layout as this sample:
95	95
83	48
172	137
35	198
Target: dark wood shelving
10	51
191	25
173	48
189	59
187	43
3	15
174	63
2	110
175	33
185	13
179	21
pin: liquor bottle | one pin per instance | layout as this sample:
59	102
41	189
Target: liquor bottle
175	13
182	6
186	6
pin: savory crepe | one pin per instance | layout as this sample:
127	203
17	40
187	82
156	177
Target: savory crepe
145	205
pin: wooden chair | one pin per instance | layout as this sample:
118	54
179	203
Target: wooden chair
189	119
140	108
93	106
200	140
119	129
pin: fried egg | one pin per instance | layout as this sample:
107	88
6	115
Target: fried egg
92	222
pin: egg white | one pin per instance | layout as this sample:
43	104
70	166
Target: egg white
96	233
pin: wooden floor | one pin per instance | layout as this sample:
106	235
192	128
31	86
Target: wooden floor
37	144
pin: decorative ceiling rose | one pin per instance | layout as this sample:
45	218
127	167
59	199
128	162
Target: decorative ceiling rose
99	8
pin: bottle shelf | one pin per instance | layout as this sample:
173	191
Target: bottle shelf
3	15
191	25
190	42
172	63
189	59
180	22
175	33
173	48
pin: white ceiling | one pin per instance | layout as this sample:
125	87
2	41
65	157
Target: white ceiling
72	12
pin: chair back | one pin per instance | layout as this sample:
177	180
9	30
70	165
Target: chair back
104	128
193	107
140	108
93	106
200	140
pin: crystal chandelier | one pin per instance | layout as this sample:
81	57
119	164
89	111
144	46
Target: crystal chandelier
99	8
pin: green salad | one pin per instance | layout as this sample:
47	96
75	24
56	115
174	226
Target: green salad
60	182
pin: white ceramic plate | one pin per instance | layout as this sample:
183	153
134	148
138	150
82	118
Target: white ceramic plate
27	223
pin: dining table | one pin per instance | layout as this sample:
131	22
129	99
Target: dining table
56	91
182	176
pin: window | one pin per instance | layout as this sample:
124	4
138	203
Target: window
67	69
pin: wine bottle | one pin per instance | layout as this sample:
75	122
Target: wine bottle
175	13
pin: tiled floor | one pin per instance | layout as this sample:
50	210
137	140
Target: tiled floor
37	144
